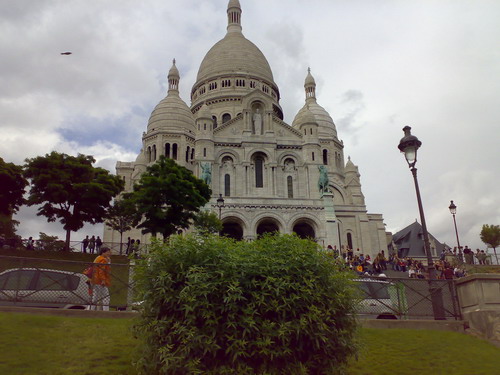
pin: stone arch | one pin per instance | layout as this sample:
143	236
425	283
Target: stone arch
289	155
267	223
227	152
233	227
338	196
304	230
308	219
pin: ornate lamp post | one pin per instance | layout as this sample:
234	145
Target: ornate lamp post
453	211
220	205
410	144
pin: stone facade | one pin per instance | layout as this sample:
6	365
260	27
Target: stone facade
273	176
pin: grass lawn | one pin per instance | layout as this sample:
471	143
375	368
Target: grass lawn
39	345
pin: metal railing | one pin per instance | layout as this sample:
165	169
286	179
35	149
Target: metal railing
41	282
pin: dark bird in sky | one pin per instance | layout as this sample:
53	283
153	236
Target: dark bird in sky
66	53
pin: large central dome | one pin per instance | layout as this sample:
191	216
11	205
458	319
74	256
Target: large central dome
234	54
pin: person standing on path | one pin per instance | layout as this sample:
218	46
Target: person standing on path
101	280
92	245
85	244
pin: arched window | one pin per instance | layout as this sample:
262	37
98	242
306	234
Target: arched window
192	153
313	156
259	171
154	152
167	150
289	183
349	240
204	152
227	185
187	154
174	151
148	154
215	121
325	157
226	117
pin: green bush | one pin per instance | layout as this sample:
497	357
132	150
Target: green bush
278	305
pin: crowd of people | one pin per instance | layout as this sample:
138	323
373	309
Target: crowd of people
363	264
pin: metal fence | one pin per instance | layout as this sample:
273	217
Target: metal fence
408	298
35	282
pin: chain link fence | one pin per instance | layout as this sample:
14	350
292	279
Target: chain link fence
408	298
33	282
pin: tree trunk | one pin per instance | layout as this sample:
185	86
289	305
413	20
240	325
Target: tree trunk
68	236
121	242
495	251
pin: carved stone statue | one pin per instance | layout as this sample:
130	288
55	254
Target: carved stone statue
257	121
206	173
323	180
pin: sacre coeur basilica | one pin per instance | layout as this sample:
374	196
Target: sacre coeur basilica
273	176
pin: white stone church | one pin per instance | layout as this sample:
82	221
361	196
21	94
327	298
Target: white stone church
273	176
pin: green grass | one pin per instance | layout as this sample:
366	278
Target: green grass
411	352
40	345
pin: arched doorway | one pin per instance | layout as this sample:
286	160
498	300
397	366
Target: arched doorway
232	229
304	230
267	226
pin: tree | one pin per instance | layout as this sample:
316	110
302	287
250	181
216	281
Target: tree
12	187
490	235
207	222
70	189
167	197
121	216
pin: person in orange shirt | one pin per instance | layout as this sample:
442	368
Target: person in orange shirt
101	279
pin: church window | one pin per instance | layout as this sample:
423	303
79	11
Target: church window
265	89
204	152
226	117
226	83
349	240
311	131
187	153
215	121
167	150
204	126
289	183
174	151
199	127
240	82
149	154
192	153
305	132
252	84
259	172
212	85
227	185
154	153
325	157
313	156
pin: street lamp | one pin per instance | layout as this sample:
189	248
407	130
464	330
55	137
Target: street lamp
410	144
220	204
453	211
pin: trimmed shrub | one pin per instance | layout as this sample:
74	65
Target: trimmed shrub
278	305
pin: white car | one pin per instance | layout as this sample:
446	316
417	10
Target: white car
378	299
36	287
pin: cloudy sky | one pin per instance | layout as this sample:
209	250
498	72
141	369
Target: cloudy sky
378	65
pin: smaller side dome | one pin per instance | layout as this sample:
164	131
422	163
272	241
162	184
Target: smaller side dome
172	113
308	117
141	158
